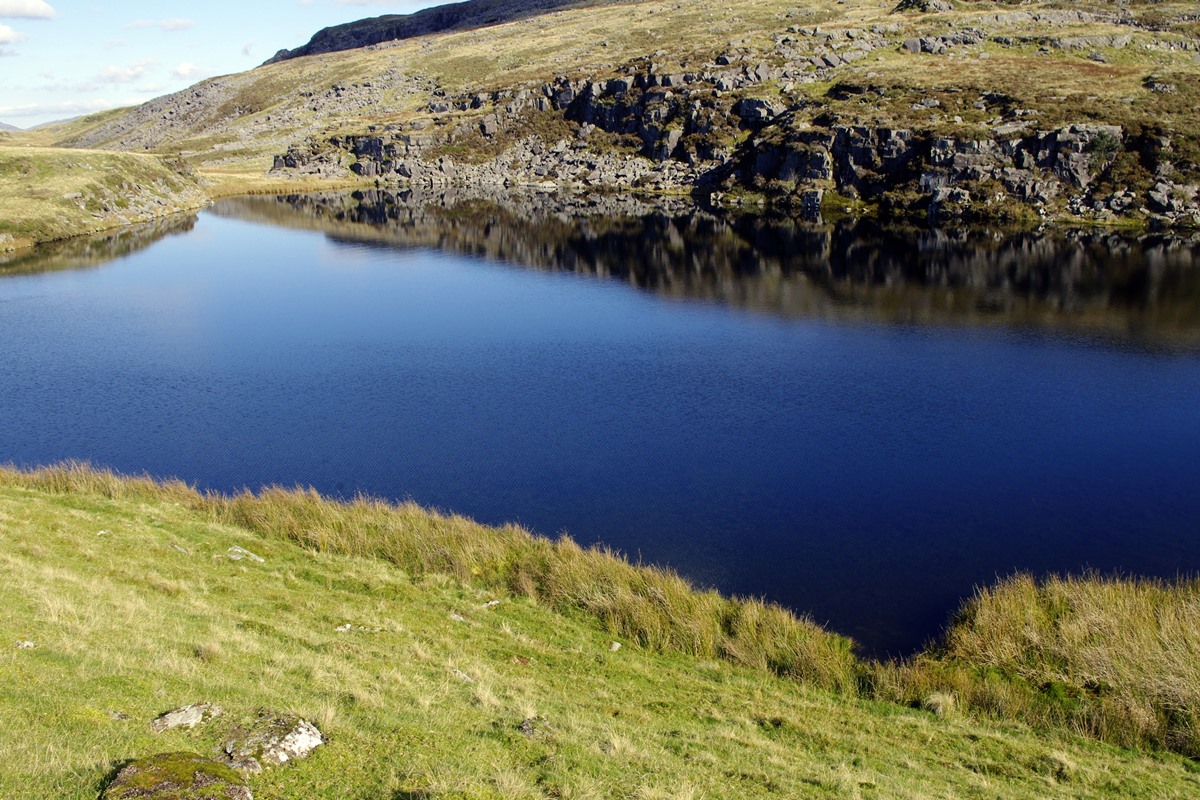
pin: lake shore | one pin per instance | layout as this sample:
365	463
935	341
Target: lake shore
1027	666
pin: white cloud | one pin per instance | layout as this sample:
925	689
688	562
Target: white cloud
185	70
115	74
9	36
71	108
247	48
27	9
163	24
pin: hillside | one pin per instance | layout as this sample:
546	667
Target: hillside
7	127
982	111
50	193
448	17
123	600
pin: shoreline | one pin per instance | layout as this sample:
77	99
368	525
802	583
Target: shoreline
1024	649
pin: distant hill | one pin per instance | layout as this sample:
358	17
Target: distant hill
453	16
6	127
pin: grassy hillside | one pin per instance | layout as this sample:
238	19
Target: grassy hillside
983	71
1107	65
126	591
51	193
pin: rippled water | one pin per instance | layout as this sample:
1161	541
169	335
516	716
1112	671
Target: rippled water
859	424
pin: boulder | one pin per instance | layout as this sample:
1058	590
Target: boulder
177	776
754	112
271	740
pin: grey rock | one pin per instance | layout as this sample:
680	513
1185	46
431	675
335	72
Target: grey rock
237	553
271	740
754	111
619	86
534	727
186	717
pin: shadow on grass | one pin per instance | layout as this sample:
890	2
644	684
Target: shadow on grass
115	768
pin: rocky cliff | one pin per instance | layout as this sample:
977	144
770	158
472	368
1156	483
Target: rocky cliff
706	132
1080	111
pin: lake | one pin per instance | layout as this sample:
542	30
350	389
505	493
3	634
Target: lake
860	424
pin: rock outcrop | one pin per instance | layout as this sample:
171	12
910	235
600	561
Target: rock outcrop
177	776
271	740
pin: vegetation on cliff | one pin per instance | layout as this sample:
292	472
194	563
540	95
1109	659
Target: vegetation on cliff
976	111
445	659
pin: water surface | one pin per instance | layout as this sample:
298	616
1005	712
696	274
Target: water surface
861	425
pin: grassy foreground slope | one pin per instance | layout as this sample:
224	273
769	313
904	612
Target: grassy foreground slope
126	590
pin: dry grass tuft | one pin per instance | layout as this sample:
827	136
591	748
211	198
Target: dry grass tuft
652	607
1110	658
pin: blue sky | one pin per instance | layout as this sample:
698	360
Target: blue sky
59	58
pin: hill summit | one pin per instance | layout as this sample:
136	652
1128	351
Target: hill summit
449	17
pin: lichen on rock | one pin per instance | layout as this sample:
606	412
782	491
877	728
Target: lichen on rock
271	740
177	776
186	717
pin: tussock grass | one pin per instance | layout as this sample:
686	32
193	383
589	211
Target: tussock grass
1117	660
650	606
435	692
1110	658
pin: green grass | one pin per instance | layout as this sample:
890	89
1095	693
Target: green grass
151	615
48	193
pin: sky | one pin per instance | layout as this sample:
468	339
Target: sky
60	59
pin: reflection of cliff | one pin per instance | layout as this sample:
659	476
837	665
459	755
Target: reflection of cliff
92	251
1141	288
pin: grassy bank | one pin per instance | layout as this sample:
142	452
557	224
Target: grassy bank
1114	659
124	588
49	193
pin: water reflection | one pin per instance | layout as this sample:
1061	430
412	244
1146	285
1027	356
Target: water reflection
1144	289
92	251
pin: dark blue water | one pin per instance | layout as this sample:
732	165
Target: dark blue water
867	472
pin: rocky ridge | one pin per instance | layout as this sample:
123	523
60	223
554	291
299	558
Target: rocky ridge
978	112
676	131
394	27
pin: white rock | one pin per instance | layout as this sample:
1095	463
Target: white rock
301	741
238	553
186	717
